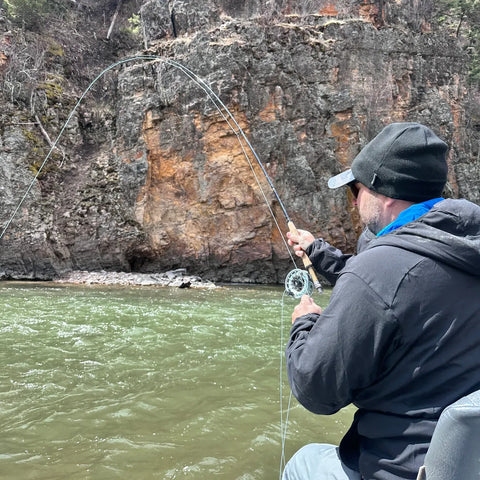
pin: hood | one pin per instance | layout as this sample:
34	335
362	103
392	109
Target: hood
449	233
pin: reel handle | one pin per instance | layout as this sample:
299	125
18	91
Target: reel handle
306	261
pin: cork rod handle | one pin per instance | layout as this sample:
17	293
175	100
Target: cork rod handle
306	261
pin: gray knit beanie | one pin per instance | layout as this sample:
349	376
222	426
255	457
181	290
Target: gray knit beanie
405	161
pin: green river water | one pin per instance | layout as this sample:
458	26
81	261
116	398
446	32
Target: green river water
142	383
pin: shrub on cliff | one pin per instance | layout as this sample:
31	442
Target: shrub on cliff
30	14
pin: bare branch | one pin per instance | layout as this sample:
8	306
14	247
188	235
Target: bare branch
48	139
114	19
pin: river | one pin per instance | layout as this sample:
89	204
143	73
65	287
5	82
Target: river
147	382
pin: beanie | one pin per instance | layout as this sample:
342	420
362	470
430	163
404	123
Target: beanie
406	161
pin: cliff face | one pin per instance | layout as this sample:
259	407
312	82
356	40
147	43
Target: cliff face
154	178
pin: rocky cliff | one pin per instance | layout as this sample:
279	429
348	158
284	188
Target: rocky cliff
149	176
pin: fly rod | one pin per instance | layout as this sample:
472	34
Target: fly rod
295	283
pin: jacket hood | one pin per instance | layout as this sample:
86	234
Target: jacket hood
449	233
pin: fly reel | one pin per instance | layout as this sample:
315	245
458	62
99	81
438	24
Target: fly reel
298	283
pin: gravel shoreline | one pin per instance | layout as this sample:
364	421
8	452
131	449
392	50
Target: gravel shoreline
173	278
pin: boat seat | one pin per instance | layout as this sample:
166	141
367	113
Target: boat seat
454	452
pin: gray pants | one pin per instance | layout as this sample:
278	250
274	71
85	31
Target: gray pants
318	461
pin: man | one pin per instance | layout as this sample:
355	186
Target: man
400	338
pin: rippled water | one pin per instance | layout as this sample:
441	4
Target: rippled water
140	383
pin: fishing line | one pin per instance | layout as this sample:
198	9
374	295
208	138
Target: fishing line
297	283
283	423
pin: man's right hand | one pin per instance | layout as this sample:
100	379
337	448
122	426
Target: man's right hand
301	241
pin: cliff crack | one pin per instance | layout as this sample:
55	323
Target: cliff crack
172	19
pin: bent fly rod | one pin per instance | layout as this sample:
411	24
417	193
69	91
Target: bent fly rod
297	281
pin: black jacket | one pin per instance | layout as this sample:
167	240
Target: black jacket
400	339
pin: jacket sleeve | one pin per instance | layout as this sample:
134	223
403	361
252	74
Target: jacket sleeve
332	356
329	261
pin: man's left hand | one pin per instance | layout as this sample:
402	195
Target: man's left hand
306	305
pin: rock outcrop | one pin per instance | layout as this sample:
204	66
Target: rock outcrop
155	179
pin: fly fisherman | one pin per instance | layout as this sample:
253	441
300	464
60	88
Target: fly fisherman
400	338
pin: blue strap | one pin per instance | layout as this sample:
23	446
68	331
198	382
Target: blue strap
409	215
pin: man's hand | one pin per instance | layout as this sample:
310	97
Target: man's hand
301	241
306	305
